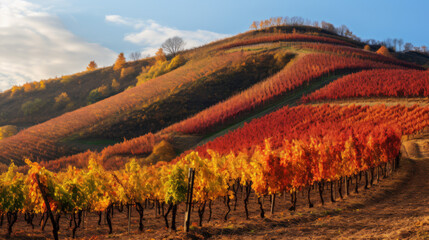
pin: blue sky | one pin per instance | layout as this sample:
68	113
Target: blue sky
40	39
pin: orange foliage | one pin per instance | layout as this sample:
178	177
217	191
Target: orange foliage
384	51
120	62
91	66
160	56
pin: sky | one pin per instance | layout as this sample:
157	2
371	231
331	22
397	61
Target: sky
41	39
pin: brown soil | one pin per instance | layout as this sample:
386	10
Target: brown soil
394	208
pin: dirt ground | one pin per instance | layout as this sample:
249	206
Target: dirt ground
395	208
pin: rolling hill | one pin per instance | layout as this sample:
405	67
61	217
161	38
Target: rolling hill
220	84
283	110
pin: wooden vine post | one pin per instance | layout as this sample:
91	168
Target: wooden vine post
48	208
129	218
191	177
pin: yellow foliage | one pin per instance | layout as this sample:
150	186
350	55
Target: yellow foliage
63	101
63	97
156	70
367	48
14	90
163	151
7	131
176	62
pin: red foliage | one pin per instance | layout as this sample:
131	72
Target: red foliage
376	83
356	52
328	122
305	69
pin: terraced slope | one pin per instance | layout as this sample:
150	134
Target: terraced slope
43	141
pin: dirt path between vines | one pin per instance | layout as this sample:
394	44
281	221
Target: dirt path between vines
395	210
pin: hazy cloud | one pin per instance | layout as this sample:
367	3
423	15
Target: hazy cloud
151	35
34	45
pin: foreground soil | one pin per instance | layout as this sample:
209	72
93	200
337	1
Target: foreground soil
395	208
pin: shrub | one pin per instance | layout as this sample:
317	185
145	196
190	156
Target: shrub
7	131
115	85
97	94
66	79
163	151
127	71
160	67
384	51
30	107
176	62
63	101
156	70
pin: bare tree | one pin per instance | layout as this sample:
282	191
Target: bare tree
173	45
395	43
388	42
400	43
135	56
408	47
328	26
342	30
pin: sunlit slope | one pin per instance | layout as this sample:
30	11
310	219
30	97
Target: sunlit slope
221	83
37	102
42	141
307	71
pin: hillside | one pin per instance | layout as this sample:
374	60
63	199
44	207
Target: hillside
37	102
293	132
235	85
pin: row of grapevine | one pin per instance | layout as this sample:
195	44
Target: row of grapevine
375	83
301	71
356	52
294	37
304	70
298	122
16	147
287	151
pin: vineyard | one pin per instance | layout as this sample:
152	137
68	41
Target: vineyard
288	151
225	136
375	83
295	37
355	52
50	132
301	72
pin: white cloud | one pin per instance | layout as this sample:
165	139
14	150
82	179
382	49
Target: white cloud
34	45
151	35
